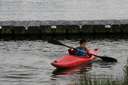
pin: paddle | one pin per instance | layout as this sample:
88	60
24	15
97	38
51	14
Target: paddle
104	58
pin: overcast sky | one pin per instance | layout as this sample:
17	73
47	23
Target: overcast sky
63	9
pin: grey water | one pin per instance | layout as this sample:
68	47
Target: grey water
63	9
27	62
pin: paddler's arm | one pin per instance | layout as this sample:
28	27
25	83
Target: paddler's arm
87	49
93	52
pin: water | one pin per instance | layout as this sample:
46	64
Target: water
63	9
28	63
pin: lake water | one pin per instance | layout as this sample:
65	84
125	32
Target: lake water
28	63
63	9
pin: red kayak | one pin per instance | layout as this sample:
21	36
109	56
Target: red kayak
69	61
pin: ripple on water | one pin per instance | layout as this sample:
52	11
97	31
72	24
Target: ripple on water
28	63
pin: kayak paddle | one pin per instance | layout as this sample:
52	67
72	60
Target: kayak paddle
104	58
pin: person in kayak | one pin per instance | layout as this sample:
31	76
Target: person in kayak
81	50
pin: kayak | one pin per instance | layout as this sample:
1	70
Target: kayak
70	61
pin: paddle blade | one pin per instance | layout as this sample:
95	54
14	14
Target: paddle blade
108	59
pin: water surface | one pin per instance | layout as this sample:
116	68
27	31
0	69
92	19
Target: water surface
28	63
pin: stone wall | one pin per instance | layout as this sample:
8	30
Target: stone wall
64	29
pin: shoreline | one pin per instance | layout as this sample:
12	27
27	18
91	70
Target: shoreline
64	27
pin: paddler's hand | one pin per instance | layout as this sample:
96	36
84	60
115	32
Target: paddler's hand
72	49
96	49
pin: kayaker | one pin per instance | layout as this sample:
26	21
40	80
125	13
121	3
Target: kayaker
81	50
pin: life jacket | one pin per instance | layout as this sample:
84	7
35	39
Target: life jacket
81	51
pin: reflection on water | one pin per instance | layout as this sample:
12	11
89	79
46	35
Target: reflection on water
71	71
97	79
84	77
28	63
